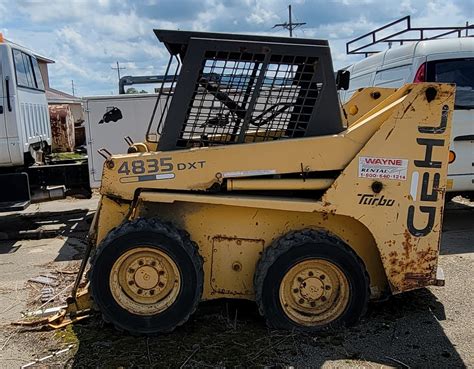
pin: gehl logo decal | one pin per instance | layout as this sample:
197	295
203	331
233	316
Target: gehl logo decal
429	193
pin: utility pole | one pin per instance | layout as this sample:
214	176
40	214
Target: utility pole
290	26
118	68
72	86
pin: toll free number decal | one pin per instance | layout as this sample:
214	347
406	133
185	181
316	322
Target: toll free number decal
386	168
153	169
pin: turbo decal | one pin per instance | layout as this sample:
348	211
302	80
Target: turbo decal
371	199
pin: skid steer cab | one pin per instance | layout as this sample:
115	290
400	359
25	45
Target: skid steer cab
262	187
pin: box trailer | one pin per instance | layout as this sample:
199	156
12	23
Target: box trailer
112	119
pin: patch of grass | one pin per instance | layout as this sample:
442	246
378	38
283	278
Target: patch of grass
66	335
213	336
67	156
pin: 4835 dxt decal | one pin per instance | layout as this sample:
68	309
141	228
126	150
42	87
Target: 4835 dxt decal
430	179
142	170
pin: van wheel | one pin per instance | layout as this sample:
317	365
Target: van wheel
146	277
311	281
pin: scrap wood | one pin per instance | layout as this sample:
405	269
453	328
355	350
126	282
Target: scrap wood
47	357
65	271
49	280
51	299
47	293
44	312
30	323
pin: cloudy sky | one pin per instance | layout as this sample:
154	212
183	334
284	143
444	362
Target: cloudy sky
87	37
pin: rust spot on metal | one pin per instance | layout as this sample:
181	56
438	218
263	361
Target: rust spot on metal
326	204
409	267
240	250
238	240
407	246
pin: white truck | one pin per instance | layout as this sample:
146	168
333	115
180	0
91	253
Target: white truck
439	60
25	134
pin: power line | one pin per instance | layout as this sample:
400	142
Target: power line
118	68
290	25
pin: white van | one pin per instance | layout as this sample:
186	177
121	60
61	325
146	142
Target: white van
24	117
442	60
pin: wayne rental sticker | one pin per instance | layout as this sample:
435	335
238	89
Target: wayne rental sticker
386	168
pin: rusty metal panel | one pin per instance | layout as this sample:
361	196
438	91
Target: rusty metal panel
233	264
62	128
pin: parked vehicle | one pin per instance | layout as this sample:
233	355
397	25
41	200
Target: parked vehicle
443	60
111	119
256	190
25	134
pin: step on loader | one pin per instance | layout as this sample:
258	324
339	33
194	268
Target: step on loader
256	184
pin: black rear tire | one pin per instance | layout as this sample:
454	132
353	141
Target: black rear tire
150	233
298	247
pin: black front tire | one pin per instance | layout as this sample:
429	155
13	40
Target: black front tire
151	233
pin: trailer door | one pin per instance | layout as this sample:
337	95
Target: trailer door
4	153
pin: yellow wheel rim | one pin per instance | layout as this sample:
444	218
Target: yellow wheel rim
145	281
314	292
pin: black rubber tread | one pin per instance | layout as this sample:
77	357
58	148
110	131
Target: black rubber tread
294	239
168	230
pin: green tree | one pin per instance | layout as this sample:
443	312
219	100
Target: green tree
132	90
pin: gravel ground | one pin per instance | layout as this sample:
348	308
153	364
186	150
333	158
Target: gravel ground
427	328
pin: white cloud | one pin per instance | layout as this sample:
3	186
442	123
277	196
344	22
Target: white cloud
86	37
262	15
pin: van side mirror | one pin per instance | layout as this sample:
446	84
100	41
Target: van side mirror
342	79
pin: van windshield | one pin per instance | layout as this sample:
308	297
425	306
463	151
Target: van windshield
460	72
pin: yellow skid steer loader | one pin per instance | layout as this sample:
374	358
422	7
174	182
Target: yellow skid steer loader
255	184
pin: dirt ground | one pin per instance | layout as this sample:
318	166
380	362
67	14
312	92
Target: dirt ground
427	328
